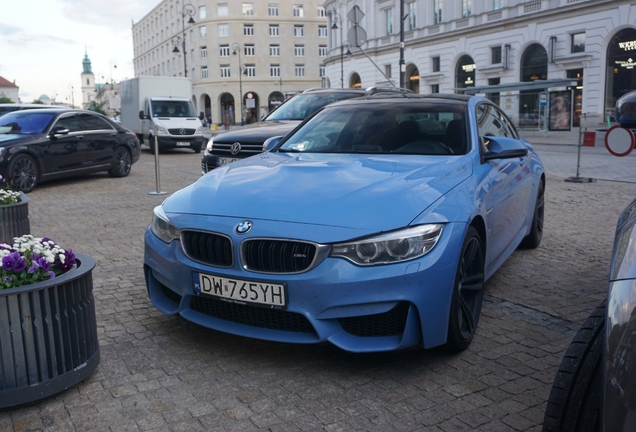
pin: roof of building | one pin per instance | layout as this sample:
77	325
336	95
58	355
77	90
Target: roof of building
6	83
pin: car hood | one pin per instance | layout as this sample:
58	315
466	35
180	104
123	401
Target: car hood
258	132
375	192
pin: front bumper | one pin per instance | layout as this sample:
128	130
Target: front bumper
360	309
211	161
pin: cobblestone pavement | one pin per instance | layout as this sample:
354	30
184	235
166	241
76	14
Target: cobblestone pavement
163	373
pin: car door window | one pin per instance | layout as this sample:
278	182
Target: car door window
91	122
69	122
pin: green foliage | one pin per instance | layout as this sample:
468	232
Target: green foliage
94	106
5	100
37	101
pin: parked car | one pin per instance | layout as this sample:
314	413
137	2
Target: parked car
626	110
43	144
595	386
10	107
372	226
238	144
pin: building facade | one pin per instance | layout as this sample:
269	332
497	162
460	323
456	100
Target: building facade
243	57
9	90
550	64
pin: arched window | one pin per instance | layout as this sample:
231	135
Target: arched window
465	73
620	76
412	79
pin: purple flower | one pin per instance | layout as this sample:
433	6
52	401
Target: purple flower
44	264
10	262
20	264
33	267
51	275
7	279
69	260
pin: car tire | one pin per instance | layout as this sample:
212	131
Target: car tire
197	149
533	239
151	144
468	293
122	161
23	173
575	399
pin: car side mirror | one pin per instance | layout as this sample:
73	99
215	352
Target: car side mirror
142	116
503	148
201	116
272	142
59	130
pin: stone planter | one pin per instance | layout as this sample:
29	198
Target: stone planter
14	220
48	336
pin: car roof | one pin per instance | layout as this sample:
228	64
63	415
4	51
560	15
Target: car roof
408	98
367	91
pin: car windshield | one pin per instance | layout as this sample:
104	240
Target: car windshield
419	128
26	122
305	104
169	108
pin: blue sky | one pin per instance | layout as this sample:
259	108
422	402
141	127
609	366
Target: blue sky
42	43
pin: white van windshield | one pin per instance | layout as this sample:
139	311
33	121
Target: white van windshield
170	108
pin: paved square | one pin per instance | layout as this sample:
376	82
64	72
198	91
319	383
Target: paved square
163	373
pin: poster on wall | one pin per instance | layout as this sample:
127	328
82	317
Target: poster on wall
560	109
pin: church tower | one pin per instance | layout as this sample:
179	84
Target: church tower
88	82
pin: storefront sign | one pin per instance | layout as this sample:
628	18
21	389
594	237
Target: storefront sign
468	67
627	64
627	46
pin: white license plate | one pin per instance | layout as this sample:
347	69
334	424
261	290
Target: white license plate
241	291
225	161
183	144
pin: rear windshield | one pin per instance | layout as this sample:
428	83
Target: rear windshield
422	128
305	104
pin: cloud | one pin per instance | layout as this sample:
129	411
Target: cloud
6	29
17	37
115	14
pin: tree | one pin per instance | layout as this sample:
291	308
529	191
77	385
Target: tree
5	100
37	101
95	107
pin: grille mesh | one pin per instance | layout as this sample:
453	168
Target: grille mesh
278	256
208	248
252	315
390	323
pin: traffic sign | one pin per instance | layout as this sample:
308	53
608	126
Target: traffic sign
619	141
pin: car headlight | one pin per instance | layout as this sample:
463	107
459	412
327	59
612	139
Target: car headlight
396	246
199	130
161	130
161	226
210	145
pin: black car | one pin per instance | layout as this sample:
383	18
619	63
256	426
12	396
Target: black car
235	145
43	144
10	107
595	387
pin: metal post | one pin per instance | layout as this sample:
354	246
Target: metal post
579	179
402	67
157	179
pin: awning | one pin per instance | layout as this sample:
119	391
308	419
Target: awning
538	85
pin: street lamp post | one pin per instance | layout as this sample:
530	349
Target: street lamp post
189	10
113	64
236	48
337	18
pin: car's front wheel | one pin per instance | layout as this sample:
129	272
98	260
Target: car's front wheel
121	163
533	239
468	293
23	173
574	404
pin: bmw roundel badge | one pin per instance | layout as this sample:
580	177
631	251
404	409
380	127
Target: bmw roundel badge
243	227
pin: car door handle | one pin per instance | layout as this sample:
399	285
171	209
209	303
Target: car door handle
79	136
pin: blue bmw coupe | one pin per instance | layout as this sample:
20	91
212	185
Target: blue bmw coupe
373	226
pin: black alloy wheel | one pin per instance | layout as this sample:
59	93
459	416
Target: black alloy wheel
533	239
23	172
121	163
468	293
